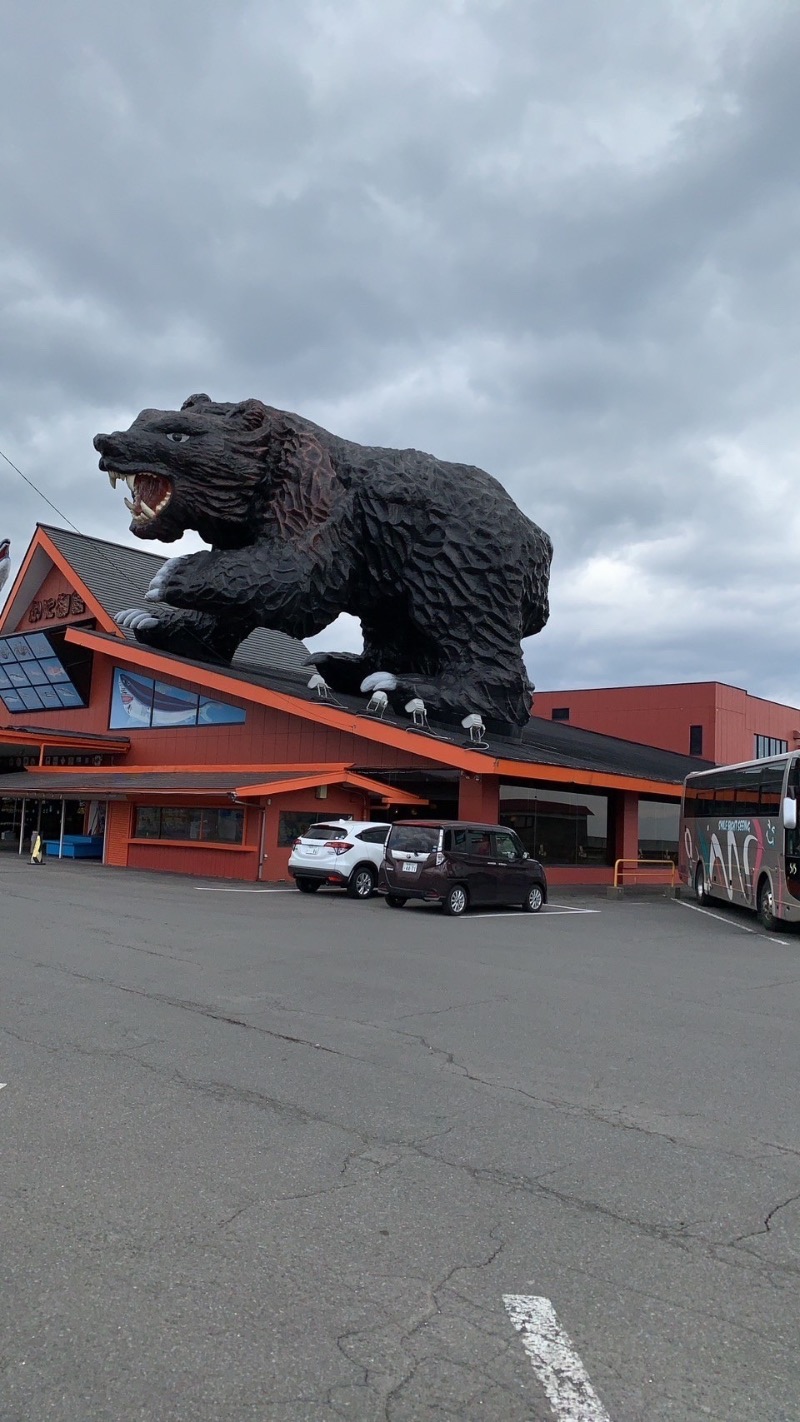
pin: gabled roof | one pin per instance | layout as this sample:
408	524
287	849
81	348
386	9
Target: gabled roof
118	577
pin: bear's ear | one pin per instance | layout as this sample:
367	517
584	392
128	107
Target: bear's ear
250	414
196	400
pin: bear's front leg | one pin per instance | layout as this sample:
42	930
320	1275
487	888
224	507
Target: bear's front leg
293	590
213	579
187	634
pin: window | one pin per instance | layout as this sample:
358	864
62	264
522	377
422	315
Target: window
41	672
209	826
294	823
770	745
139	703
508	847
558	826
737	793
479	842
374	836
695	740
559	713
414	839
658	829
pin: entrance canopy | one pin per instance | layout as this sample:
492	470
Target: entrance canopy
235	782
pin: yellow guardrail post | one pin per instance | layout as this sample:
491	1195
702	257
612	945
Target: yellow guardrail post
644	871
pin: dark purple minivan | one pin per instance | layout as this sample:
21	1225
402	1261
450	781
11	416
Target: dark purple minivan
457	864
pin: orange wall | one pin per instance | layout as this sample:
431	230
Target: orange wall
662	715
54	586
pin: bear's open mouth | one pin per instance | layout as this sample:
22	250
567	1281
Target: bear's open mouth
151	494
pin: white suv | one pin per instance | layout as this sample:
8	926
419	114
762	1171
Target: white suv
345	853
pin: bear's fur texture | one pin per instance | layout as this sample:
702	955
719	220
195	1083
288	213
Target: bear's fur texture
443	569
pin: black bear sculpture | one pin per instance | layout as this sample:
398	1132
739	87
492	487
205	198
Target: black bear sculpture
443	569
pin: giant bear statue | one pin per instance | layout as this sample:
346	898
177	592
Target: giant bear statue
444	571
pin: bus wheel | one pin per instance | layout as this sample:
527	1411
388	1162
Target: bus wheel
766	905
700	885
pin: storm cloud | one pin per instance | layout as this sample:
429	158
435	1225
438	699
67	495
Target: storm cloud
559	241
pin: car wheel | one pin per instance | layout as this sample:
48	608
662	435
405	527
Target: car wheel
307	886
361	884
456	902
534	899
700	885
766	905
396	900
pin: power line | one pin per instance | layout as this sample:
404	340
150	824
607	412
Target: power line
201	642
31	485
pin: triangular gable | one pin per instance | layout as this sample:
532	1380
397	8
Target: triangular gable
47	592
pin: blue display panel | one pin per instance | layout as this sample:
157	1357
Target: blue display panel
140	703
34	678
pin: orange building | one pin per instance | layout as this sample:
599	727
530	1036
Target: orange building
703	718
152	761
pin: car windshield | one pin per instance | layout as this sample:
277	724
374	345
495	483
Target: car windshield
325	832
413	839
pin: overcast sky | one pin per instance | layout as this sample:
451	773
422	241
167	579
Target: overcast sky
555	238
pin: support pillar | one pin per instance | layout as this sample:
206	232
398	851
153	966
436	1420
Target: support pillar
22	824
626	827
61	832
479	798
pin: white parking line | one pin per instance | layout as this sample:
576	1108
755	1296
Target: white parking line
523	913
731	922
215	889
554	1359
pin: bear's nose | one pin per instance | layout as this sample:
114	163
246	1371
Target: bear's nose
99	442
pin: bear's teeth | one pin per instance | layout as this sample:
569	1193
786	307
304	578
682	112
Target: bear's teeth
129	505
130	480
163	504
112	479
146	509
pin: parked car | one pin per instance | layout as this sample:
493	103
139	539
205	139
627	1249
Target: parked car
457	864
345	853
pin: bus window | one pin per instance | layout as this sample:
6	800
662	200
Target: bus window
771	789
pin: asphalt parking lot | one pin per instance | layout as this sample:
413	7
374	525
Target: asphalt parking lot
281	1157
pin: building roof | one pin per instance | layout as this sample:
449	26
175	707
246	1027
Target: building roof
119	576
556	745
251	783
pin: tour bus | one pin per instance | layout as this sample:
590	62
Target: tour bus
739	839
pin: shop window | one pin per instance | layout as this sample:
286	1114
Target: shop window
139	703
558	826
196	824
659	823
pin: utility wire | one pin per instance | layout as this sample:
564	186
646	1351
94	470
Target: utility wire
31	485
201	642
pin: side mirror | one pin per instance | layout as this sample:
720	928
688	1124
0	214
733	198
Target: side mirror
789	813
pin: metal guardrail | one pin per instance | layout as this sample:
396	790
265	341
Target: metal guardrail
645	871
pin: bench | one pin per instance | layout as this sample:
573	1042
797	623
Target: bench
76	846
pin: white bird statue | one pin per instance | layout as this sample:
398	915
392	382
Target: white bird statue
5	561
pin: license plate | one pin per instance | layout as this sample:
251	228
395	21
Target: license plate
409	868
306	850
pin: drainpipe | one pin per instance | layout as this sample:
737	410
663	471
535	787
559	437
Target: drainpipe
22	823
105	832
61	835
262	847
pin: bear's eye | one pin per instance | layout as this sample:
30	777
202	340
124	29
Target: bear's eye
177	438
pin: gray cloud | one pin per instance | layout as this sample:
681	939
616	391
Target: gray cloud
556	241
